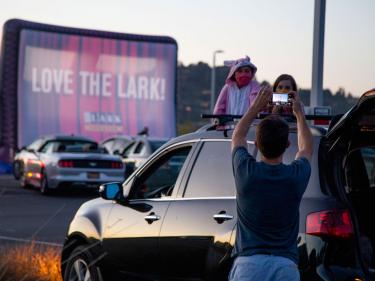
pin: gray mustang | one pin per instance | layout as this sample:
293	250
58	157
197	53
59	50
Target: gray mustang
53	162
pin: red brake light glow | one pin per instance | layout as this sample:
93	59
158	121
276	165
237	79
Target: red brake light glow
36	162
332	223
116	165
66	164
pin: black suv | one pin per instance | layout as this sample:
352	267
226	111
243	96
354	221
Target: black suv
174	218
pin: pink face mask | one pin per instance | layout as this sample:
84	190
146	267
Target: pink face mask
243	78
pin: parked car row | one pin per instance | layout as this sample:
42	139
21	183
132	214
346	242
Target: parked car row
174	218
61	161
133	151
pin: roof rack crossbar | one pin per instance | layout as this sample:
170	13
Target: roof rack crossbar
225	119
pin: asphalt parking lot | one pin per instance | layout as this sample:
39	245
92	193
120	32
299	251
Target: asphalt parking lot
26	215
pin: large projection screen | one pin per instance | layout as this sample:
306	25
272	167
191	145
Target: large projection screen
93	86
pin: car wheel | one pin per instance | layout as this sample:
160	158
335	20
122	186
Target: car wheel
81	266
16	170
23	181
44	189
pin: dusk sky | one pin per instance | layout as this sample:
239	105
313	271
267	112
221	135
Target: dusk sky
277	35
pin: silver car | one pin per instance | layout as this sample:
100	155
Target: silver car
53	162
133	151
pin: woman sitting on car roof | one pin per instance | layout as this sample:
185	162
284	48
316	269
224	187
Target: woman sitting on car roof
239	90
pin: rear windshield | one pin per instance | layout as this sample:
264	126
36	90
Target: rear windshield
72	146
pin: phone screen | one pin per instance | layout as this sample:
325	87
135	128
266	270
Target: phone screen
280	98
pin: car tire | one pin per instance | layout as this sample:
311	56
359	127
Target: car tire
23	181
16	170
44	189
81	266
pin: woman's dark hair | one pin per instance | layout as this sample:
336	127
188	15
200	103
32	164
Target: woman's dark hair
283	77
272	136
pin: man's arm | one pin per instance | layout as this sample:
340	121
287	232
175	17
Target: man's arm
242	128
305	138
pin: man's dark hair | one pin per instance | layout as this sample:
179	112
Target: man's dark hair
272	136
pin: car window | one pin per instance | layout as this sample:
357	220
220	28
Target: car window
159	179
360	170
109	145
139	147
212	174
75	146
127	150
120	144
368	154
36	144
82	147
47	147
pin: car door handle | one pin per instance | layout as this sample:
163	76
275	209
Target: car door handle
151	218
221	217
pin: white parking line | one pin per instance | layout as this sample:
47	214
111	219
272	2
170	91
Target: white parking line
30	241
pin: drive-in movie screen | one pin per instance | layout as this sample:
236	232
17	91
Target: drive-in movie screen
93	86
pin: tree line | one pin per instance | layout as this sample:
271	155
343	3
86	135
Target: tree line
194	95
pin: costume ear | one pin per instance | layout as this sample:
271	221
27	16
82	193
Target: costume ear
229	62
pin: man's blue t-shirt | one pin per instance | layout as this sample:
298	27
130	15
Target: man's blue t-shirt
268	199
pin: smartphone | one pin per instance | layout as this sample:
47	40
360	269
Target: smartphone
280	98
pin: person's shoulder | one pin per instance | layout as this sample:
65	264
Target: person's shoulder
301	161
242	161
241	154
301	165
240	149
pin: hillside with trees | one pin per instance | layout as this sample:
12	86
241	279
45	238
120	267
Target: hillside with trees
194	90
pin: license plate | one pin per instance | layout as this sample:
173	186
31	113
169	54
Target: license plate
93	175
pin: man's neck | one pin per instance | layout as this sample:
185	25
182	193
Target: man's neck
272	161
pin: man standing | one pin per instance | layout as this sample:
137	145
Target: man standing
269	194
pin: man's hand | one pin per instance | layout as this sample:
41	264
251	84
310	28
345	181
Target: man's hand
262	99
305	138
296	104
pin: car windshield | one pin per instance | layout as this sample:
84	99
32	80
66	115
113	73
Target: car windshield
156	144
73	146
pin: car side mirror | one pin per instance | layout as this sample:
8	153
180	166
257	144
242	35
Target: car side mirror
31	150
116	152
112	191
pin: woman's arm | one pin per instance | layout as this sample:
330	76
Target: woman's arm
222	101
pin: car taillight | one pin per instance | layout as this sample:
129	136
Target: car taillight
66	164
36	162
116	165
331	223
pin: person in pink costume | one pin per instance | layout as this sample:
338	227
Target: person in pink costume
239	90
